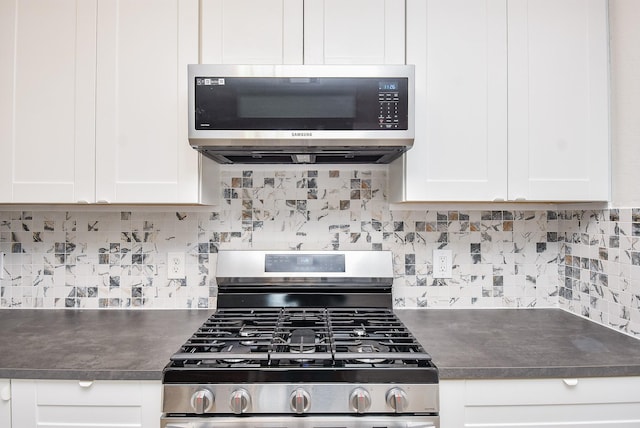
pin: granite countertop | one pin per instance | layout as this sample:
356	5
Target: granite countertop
92	344
474	343
521	343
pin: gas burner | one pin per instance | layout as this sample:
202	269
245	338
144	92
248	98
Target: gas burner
302	341
359	332
250	336
369	347
247	332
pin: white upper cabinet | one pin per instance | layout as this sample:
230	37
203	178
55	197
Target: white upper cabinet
47	101
251	32
354	32
558	100
94	102
460	151
511	101
302	32
142	149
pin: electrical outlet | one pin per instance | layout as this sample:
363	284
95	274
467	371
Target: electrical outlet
442	264
175	266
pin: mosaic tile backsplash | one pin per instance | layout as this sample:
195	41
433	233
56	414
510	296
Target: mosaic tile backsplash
587	262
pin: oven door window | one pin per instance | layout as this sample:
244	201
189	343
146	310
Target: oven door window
248	103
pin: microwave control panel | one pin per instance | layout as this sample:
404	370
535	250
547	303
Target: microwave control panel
388	100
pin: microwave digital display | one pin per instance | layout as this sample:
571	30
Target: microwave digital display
388	86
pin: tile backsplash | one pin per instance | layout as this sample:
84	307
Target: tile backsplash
599	269
587	262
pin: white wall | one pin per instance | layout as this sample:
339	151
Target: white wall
625	101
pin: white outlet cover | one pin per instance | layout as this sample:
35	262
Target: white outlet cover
442	264
175	266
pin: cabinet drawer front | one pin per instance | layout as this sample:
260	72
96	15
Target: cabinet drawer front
106	404
594	415
51	393
81	416
550	403
553	391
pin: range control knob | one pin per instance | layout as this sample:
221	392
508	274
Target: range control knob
397	399
240	401
202	400
300	401
360	400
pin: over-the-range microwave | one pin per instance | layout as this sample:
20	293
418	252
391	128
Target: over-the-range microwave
301	113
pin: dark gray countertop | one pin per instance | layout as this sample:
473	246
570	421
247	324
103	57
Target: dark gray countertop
474	343
92	344
521	343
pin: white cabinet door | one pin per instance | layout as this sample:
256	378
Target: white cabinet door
5	403
142	151
47	102
551	403
354	32
459	48
104	404
558	100
251	31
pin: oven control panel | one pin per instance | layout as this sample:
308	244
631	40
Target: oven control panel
304	263
312	398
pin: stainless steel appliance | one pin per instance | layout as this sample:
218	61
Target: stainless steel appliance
301	113
302	339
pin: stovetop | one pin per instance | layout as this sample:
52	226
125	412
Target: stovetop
312	344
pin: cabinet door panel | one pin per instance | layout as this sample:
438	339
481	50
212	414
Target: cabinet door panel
47	108
558	100
251	32
141	136
460	148
354	32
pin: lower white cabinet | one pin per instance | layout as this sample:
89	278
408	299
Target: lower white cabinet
80	404
549	403
5	403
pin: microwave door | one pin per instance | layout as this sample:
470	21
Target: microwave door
264	104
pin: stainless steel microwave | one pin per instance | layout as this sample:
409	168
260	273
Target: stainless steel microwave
301	113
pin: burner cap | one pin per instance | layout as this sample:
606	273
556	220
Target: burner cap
302	341
367	347
247	332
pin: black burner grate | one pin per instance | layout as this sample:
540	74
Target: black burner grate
302	337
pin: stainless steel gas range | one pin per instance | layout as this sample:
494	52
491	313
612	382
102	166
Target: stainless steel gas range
302	339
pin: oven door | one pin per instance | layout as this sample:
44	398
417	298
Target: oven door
345	421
